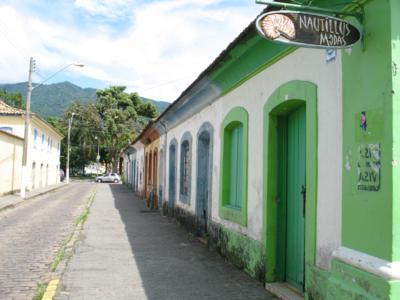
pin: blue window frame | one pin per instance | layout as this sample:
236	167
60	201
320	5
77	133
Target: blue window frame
185	168
6	129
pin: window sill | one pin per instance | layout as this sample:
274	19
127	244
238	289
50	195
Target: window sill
233	214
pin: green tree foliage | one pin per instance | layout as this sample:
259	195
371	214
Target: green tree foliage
119	113
85	133
12	99
112	122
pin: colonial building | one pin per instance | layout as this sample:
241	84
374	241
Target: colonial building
286	159
43	156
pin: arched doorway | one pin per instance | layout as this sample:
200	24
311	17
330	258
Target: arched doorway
172	177
155	179
146	170
204	178
33	175
290	175
47	175
41	175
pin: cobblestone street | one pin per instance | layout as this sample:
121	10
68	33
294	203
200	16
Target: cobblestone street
31	235
127	252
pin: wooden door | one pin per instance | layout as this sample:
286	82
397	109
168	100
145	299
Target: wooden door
292	197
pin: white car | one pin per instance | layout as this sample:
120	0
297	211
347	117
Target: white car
108	177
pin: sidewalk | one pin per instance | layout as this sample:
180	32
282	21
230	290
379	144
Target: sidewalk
12	200
127	252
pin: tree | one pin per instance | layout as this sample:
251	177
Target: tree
147	110
84	130
120	112
115	118
12	99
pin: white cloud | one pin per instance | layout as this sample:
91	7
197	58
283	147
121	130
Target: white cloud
166	46
106	8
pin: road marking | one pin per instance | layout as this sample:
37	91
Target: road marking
51	289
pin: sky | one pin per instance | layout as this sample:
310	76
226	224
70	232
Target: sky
155	48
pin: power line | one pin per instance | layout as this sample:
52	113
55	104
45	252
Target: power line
18	46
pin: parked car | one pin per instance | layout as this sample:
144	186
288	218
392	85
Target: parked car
108	177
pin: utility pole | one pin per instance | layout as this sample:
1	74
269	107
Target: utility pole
68	147
98	155
24	175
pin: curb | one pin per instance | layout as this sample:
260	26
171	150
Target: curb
31	197
58	273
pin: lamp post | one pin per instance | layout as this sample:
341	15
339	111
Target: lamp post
98	155
24	174
68	146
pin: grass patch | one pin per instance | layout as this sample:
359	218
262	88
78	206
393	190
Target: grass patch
83	216
61	253
79	220
40	290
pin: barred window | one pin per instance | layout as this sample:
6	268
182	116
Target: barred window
185	168
185	180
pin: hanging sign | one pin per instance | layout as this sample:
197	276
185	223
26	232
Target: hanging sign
307	29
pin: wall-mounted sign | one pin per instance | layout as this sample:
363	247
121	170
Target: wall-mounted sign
369	167
307	29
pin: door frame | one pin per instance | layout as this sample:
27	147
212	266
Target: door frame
284	99
171	202
205	128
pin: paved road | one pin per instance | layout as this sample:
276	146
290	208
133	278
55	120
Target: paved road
128	253
31	234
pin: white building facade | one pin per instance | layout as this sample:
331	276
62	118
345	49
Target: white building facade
44	144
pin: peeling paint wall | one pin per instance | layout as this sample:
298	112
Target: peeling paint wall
303	64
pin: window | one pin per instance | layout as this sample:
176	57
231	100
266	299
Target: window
35	137
185	167
7	129
234	140
233	193
42	141
48	144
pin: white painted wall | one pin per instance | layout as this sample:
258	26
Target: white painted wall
303	64
39	153
139	156
10	163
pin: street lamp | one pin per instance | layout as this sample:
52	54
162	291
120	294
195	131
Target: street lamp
98	155
68	147
24	177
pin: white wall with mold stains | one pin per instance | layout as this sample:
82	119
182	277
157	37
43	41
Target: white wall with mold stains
303	64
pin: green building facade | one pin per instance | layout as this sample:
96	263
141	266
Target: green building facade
291	197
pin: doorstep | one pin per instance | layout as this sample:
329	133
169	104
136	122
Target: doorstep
284	291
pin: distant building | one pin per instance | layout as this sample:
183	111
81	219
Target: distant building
43	159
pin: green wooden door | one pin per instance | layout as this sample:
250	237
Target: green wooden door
292	194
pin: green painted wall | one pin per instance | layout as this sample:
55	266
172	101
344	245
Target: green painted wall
395	36
347	282
241	250
366	221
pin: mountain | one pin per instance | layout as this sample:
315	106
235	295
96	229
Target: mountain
160	105
53	99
